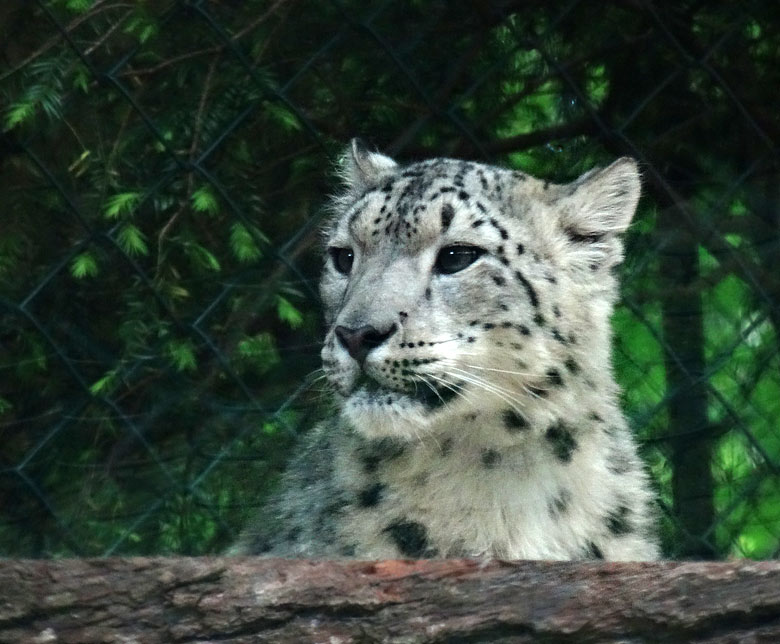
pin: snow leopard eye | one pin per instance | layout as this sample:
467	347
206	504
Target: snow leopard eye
452	259
342	259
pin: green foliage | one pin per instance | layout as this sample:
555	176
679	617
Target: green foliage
84	265
78	6
122	203
203	200
43	92
244	243
181	354
288	313
132	241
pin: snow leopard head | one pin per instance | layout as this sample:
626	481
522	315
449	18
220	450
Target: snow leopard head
455	289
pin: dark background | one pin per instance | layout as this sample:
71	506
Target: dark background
164	170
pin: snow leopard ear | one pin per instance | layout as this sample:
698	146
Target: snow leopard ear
362	169
597	208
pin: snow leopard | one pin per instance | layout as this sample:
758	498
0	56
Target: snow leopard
475	413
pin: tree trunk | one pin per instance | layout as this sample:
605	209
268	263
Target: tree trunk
683	326
258	600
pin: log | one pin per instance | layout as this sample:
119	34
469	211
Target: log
150	600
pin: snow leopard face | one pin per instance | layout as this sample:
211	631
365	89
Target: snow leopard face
455	289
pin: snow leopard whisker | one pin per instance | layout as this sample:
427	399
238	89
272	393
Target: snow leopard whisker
531	391
466	394
476	379
507	371
504	394
453	387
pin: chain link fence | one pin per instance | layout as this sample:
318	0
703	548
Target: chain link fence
164	172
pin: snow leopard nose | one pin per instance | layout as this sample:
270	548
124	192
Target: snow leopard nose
359	342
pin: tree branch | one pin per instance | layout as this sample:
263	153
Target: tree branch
257	600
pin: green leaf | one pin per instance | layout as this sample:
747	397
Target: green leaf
103	384
132	241
122	203
84	265
18	113
288	313
79	6
5	405
243	244
142	27
203	200
283	117
204	257
259	352
182	355
81	78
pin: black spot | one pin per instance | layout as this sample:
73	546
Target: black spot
500	281
594	416
592	551
446	447
373	454
436	396
562	442
427	293
520	249
348	551
478	223
571	365
524	330
539	320
260	545
528	288
294	534
371	496
463	195
513	421
556	334
619	463
554	377
560	504
617	521
447	213
410	537
490	458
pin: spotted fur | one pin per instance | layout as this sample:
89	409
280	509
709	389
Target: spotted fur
468	349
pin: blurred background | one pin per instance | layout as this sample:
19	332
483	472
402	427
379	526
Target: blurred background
164	172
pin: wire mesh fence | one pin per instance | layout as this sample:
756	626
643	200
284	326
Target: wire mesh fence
164	172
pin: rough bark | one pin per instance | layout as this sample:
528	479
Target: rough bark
257	600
